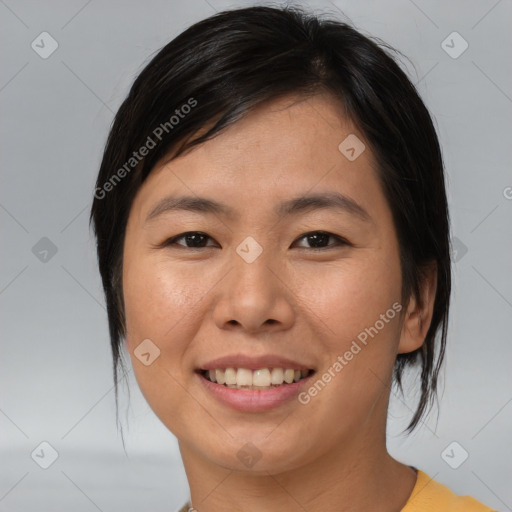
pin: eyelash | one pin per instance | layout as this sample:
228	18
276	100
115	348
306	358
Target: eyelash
340	241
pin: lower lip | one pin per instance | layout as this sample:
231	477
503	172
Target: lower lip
249	400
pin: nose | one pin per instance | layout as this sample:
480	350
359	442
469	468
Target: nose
254	297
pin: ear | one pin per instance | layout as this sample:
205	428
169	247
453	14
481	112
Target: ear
418	316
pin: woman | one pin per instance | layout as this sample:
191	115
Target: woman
273	239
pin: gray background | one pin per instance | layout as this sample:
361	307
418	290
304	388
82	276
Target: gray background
56	361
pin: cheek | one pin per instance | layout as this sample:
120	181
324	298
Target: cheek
350	295
159	306
156	299
358	305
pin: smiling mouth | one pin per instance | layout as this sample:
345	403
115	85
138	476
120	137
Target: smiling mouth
261	379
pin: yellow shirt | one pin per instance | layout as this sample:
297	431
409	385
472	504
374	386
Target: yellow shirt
431	496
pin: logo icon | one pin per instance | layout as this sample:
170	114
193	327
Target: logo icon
454	455
146	352
44	455
249	249
44	45
351	147
44	250
454	45
248	455
459	249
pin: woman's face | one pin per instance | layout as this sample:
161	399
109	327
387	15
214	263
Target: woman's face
251	290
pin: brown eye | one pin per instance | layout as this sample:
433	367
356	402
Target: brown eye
193	240
319	240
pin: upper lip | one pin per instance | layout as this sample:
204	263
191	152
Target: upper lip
254	362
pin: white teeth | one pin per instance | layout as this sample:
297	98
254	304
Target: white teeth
263	378
230	376
219	376
277	376
244	377
288	375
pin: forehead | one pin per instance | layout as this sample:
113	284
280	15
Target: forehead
281	149
293	130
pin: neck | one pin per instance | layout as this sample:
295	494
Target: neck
351	476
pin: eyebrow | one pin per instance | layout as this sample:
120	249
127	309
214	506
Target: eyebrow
297	205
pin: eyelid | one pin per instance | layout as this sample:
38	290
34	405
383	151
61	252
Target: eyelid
172	241
340	241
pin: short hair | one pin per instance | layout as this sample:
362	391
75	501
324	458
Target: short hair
223	67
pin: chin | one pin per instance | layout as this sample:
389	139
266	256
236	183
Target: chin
254	454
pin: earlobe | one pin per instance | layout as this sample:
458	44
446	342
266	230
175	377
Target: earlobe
419	313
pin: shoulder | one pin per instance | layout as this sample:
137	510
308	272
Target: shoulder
428	495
